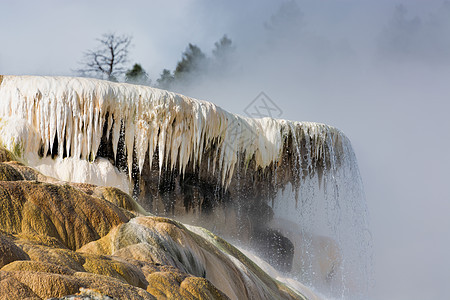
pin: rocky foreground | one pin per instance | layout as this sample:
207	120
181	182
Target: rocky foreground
80	241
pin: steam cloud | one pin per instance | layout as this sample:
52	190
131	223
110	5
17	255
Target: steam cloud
374	69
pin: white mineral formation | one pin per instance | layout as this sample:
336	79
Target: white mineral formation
58	124
37	112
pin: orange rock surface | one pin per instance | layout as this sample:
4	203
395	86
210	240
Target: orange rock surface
59	239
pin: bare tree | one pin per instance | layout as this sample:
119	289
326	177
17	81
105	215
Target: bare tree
108	60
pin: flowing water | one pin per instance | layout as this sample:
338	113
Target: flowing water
293	188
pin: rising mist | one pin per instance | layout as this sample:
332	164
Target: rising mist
374	69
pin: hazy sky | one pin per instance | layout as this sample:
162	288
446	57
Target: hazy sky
377	72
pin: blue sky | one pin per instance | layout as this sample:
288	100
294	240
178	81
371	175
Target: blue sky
348	65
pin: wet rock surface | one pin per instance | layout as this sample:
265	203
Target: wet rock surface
78	241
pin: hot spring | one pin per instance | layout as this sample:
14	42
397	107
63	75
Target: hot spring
288	193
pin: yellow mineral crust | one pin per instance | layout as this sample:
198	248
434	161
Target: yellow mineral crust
164	241
42	223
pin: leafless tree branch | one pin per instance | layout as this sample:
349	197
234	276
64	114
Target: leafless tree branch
109	59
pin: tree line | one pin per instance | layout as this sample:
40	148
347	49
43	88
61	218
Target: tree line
110	58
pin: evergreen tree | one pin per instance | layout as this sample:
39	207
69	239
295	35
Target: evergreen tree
222	54
223	48
194	65
166	80
192	62
137	75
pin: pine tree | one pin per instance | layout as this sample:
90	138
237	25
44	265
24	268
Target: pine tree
166	80
192	62
137	75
